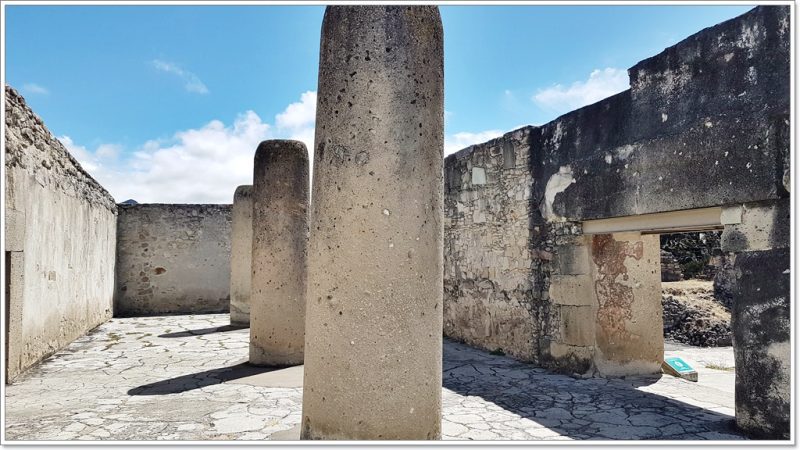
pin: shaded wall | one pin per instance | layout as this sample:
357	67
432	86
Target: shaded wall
173	259
60	242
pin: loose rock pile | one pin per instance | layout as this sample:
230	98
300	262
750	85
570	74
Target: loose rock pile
670	268
690	255
693	316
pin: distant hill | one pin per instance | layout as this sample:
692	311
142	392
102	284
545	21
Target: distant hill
129	201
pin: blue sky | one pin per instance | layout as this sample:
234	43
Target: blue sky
167	103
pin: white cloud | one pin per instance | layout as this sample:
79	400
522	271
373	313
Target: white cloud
458	141
297	120
108	151
33	88
206	164
299	114
191	81
199	165
601	83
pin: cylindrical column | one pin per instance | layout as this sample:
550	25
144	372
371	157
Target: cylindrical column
373	367
280	227
241	253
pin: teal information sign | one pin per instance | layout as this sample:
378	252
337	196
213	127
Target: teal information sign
679	365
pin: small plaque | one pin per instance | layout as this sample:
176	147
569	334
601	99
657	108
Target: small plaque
679	368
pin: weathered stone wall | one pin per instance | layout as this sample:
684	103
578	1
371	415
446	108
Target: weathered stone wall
173	259
758	240
60	242
490	299
704	124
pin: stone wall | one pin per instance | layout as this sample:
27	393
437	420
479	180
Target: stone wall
704	125
59	246
701	126
491	301
173	259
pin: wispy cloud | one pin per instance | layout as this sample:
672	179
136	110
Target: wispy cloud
192	82
33	88
458	141
601	83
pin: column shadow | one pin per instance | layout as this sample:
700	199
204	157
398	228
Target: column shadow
201	331
594	408
201	379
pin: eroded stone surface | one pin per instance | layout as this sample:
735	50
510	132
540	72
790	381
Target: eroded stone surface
280	228
373	347
172	378
241	255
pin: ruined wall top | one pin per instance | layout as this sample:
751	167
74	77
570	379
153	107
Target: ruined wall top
705	123
206	207
31	147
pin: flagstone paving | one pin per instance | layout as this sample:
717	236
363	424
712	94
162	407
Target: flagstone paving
184	378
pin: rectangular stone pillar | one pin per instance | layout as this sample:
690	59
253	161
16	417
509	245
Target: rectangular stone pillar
629	328
14	287
757	235
573	308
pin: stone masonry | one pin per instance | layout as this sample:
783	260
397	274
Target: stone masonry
704	125
491	299
173	259
547	252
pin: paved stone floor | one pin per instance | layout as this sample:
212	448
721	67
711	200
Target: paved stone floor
183	378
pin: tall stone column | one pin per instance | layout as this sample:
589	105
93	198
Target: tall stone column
280	227
373	367
241	255
757	236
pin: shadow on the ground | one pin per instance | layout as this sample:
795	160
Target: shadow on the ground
200	380
594	408
188	333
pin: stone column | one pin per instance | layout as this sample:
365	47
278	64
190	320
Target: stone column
373	367
241	254
757	236
280	227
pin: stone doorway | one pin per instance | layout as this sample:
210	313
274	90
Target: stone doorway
625	263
